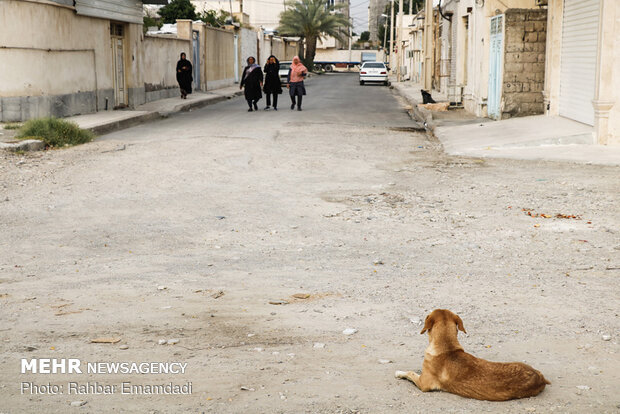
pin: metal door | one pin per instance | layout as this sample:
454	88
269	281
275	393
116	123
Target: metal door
236	46
580	27
118	65
496	59
196	59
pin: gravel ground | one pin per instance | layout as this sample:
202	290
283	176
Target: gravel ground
188	228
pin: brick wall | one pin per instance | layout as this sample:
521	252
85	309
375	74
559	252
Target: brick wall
524	62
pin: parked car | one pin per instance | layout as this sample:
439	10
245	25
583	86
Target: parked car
283	73
374	72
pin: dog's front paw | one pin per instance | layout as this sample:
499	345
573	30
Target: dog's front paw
400	374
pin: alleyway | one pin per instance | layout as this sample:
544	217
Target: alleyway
188	228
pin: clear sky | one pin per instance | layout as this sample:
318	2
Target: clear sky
359	12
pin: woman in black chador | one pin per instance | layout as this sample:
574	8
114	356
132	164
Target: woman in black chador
184	76
272	82
252	79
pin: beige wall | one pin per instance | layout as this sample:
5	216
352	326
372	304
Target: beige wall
161	54
57	63
55	46
220	58
25	71
282	48
61	64
278	49
291	50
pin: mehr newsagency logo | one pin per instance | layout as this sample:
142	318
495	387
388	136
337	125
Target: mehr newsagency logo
54	366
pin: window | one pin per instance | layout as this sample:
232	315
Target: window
116	29
374	66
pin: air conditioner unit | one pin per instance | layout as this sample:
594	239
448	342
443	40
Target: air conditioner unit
542	2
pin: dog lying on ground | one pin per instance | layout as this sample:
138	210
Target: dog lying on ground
439	107
447	367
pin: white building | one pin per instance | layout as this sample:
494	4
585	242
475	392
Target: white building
263	13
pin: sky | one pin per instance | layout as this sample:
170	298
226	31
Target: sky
359	12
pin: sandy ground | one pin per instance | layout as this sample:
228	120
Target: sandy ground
188	228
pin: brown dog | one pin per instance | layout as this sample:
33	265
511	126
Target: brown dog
448	368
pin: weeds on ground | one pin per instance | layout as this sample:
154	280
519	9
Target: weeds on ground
12	126
55	132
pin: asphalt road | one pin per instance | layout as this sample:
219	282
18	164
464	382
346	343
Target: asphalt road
191	230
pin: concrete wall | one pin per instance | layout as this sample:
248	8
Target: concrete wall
248	46
278	49
161	53
52	71
524	62
61	64
291	50
283	48
219	57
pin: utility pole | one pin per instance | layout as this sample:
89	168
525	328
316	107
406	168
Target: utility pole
350	37
399	41
428	45
392	34
384	38
410	7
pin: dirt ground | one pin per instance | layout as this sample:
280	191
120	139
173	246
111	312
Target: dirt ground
188	228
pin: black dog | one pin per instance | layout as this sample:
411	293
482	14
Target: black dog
426	97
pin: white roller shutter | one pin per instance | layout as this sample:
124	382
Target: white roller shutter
579	51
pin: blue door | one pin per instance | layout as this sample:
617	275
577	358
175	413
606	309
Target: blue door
496	58
196	58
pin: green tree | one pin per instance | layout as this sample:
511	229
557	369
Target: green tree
311	20
365	36
177	9
216	18
149	21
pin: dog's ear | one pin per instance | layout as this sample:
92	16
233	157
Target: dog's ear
428	324
459	323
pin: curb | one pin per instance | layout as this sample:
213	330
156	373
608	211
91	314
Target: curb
184	107
36	145
421	115
123	124
26	145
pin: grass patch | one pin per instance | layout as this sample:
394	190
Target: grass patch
12	126
55	132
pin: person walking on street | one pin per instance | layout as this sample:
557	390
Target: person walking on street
296	82
272	82
252	79
184	76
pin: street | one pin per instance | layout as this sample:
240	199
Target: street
197	230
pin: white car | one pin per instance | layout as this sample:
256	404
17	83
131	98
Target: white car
283	72
373	72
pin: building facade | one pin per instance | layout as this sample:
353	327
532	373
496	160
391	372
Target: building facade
262	13
512	58
582	71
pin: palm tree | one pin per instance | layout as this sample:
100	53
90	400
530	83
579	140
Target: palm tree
311	20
